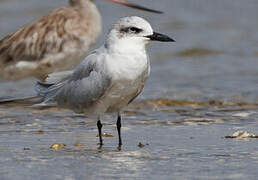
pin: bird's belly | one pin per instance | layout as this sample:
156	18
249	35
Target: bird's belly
72	54
128	82
120	95
52	62
115	99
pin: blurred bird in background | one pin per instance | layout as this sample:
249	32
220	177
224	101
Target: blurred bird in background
56	42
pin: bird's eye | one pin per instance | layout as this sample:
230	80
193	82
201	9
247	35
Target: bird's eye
134	30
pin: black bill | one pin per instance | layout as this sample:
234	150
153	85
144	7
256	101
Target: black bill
160	37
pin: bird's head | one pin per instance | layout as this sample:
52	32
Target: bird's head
133	33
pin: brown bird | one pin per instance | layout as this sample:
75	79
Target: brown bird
55	42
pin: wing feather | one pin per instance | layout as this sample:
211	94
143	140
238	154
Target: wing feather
80	89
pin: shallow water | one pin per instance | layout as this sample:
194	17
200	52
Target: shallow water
201	89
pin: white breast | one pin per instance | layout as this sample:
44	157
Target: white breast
128	77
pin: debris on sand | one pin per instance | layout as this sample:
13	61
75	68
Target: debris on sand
106	135
242	135
140	145
78	144
243	114
39	132
57	146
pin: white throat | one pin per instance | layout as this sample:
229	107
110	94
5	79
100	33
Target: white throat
126	45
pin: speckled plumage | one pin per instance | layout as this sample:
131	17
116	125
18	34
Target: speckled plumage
55	42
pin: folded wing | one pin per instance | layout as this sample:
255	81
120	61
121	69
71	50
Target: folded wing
77	89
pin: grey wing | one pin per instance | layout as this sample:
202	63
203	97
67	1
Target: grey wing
51	86
85	85
80	94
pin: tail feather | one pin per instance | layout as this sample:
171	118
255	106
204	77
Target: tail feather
24	101
54	82
46	92
42	88
58	77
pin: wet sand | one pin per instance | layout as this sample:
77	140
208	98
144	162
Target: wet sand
201	89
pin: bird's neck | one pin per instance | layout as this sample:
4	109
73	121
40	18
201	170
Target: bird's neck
126	47
90	16
78	3
81	4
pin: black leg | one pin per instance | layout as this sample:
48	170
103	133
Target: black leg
100	134
118	125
